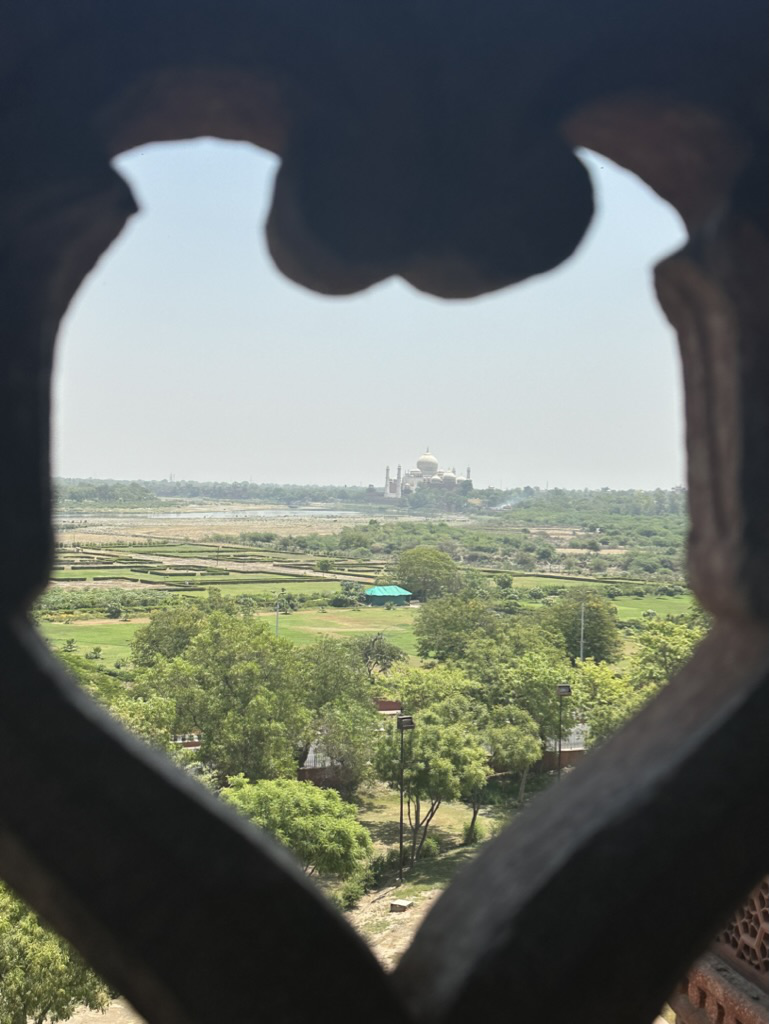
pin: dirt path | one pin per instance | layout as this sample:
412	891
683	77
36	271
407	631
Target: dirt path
389	934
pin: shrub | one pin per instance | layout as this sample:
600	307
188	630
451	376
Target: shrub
382	867
473	833
352	890
430	849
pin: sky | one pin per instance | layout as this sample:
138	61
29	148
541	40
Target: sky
185	353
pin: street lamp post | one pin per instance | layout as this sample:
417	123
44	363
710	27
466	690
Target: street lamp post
563	690
405	722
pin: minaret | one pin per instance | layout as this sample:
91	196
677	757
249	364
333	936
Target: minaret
398	483
387	481
468	474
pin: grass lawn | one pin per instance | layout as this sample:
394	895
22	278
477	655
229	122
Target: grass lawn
634	607
378	810
302	627
305	626
112	637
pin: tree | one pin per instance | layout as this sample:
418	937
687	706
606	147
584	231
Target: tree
347	731
377	653
441	762
167	634
41	977
242	689
601	637
604	699
317	826
445	758
350	594
444	626
427	572
514	743
664	647
332	669
522	671
336	687
424	689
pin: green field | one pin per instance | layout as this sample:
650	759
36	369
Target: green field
305	626
112	637
301	627
634	607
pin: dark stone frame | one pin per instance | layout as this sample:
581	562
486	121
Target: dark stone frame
367	105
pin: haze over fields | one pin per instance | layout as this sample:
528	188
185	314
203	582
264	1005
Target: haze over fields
186	353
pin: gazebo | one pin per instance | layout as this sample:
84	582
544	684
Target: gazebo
387	595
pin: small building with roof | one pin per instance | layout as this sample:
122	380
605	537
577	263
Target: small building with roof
387	595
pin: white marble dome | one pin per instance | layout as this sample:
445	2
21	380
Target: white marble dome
427	464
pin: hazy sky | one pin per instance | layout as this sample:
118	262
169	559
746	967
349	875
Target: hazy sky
186	353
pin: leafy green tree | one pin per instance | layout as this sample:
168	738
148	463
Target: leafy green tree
604	699
241	688
427	572
445	758
332	669
514	673
514	743
445	626
347	731
377	653
664	647
336	688
167	634
149	717
601	636
441	762
424	689
350	594
318	827
41	977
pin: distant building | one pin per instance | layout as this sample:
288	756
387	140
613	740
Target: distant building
426	474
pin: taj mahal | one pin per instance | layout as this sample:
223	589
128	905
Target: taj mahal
425	474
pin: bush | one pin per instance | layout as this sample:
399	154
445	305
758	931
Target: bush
473	833
352	890
430	849
382	867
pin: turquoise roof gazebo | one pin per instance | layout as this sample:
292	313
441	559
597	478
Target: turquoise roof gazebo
387	595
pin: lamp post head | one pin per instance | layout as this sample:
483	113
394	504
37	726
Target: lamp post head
405	722
563	690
